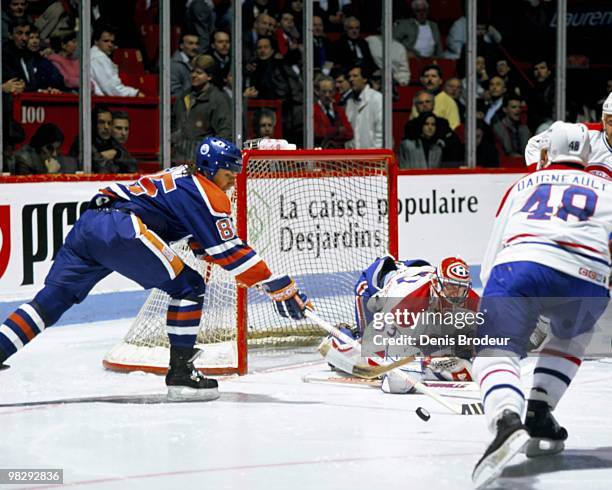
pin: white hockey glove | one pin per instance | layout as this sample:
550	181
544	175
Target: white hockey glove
288	300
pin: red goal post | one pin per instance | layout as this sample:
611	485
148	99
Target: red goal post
320	216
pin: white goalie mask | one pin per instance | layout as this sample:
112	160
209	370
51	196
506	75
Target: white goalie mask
452	280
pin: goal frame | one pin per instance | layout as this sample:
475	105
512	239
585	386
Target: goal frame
308	156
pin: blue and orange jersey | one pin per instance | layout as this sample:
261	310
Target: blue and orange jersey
177	205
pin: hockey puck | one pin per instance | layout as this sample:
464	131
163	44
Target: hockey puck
423	414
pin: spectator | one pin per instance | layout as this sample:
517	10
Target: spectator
331	13
40	156
514	83
104	73
343	87
287	35
445	106
487	37
454	89
220	45
486	152
425	103
266	75
120	132
59	19
296	7
109	157
200	22
351	50
180	64
13	10
253	9
322	50
46	72
399	62
509	132
293	124
542	96
12	135
420	36
264	26
424	148
19	64
496	92
364	112
201	111
63	58
264	122
332	128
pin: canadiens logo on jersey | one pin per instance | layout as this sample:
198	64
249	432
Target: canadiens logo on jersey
5	238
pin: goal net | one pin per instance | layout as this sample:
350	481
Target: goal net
321	216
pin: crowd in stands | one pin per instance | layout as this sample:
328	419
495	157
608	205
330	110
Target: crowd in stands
40	54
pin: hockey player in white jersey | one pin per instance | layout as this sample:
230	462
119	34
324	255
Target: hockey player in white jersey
548	254
599	158
388	284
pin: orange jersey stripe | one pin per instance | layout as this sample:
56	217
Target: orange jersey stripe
23	325
232	258
175	262
259	272
184	315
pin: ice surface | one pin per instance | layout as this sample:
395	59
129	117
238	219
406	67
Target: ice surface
269	430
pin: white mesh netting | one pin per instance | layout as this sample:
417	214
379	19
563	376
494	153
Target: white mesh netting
319	218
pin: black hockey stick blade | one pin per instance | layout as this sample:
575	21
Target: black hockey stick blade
472	409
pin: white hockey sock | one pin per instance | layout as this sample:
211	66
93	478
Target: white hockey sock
556	367
500	386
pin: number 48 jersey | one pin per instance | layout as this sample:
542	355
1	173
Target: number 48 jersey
560	217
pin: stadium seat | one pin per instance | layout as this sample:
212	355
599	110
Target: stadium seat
147	83
129	60
149	33
400	118
406	94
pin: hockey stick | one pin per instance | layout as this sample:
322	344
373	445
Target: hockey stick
475	408
366	371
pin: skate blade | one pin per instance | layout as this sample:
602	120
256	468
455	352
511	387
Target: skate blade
491	468
186	394
538	446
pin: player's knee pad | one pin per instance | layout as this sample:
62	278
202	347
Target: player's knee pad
189	284
51	302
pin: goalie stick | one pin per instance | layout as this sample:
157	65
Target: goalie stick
365	371
474	408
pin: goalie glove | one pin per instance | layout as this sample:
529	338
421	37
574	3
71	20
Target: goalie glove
288	300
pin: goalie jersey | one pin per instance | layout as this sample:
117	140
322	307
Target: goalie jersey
408	281
176	205
559	217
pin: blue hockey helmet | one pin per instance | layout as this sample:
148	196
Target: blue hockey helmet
214	153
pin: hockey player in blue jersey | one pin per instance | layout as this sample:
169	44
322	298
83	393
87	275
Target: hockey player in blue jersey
548	255
127	229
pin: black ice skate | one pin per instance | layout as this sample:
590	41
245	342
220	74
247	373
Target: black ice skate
547	435
185	383
510	438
